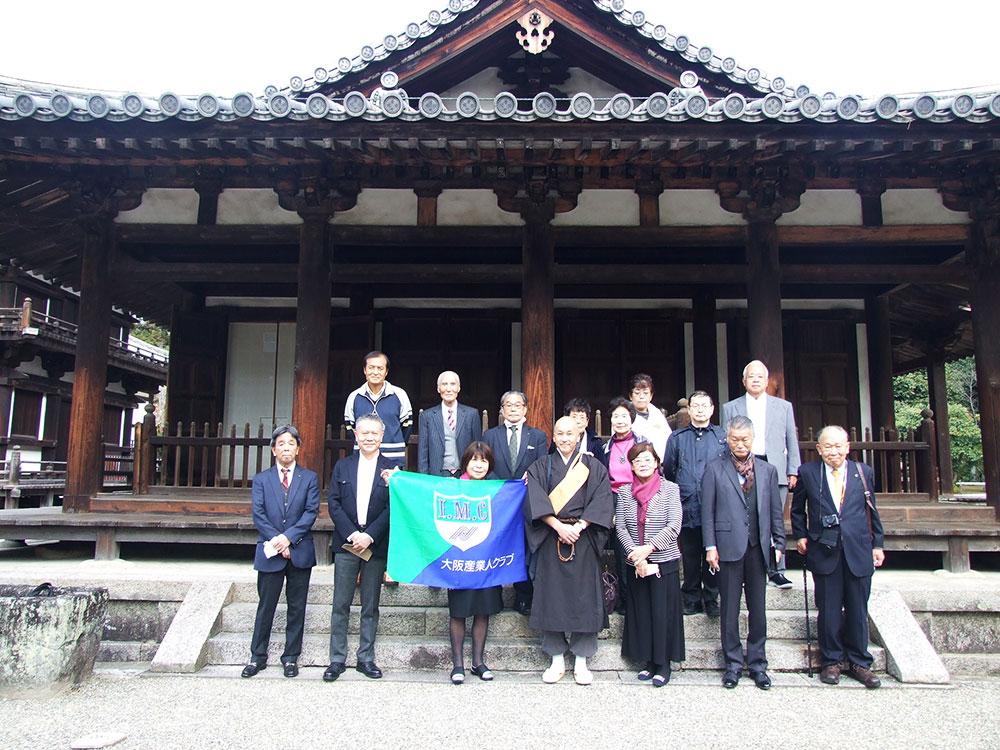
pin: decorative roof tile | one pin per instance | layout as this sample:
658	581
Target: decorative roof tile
21	100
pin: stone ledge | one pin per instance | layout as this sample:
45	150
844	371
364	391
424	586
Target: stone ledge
909	655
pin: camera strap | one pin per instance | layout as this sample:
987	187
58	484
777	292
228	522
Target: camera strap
868	498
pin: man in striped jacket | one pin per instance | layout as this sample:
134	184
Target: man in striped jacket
389	402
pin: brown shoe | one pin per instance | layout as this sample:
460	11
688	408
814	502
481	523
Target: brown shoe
865	676
830	674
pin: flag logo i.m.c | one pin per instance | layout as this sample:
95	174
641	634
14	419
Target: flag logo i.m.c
461	520
456	533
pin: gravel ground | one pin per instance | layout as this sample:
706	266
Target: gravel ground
216	709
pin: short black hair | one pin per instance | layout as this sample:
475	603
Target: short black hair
700	394
376	353
640	380
285	428
624	403
578	404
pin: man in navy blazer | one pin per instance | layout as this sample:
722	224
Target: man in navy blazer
838	529
446	430
358	500
516	447
741	516
285	504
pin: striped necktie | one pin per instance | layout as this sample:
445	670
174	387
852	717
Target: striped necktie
284	479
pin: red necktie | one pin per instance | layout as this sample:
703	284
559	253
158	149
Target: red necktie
284	478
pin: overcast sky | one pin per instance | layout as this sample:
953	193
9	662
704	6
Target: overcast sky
848	46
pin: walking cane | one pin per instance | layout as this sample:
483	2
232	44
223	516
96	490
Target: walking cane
805	601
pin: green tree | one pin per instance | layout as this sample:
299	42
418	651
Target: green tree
911	397
151	334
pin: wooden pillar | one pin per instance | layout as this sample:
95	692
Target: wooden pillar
706	356
880	363
984	258
312	339
764	302
937	388
84	464
870	192
537	320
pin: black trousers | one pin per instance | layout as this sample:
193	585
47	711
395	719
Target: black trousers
842	615
749	575
296	584
700	586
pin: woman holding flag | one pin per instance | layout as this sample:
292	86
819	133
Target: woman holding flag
477	463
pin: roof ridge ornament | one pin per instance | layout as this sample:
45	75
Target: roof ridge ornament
534	36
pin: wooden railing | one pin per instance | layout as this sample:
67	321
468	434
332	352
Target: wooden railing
206	455
16	471
28	321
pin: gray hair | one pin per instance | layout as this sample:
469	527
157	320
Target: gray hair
519	394
751	363
833	428
739	423
285	429
373	417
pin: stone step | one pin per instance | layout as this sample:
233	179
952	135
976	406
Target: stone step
433	621
504	654
970	665
404	595
126	651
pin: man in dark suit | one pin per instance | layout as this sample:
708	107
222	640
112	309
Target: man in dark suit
285	504
516	447
741	515
358	500
446	430
775	440
838	529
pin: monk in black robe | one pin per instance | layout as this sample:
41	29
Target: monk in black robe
570	507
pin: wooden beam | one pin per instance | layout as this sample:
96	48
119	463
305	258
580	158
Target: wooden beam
564	273
475	236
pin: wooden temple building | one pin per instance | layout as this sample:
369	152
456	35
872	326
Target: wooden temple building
540	194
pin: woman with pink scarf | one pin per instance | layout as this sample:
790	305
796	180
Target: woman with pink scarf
648	520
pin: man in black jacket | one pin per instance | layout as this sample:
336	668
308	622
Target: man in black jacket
689	451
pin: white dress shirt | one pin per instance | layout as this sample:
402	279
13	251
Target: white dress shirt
757	412
366	480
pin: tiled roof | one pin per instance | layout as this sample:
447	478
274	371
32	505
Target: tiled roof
19	100
779	102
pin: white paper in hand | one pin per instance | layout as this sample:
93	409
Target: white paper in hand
269	550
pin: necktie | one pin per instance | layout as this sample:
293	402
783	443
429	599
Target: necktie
513	446
284	479
451	420
838	489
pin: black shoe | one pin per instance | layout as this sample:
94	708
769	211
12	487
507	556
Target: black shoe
661	678
333	671
369	669
712	609
524	608
730	679
290	669
692	609
761	680
779	581
253	668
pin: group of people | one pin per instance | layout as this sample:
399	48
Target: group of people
705	500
